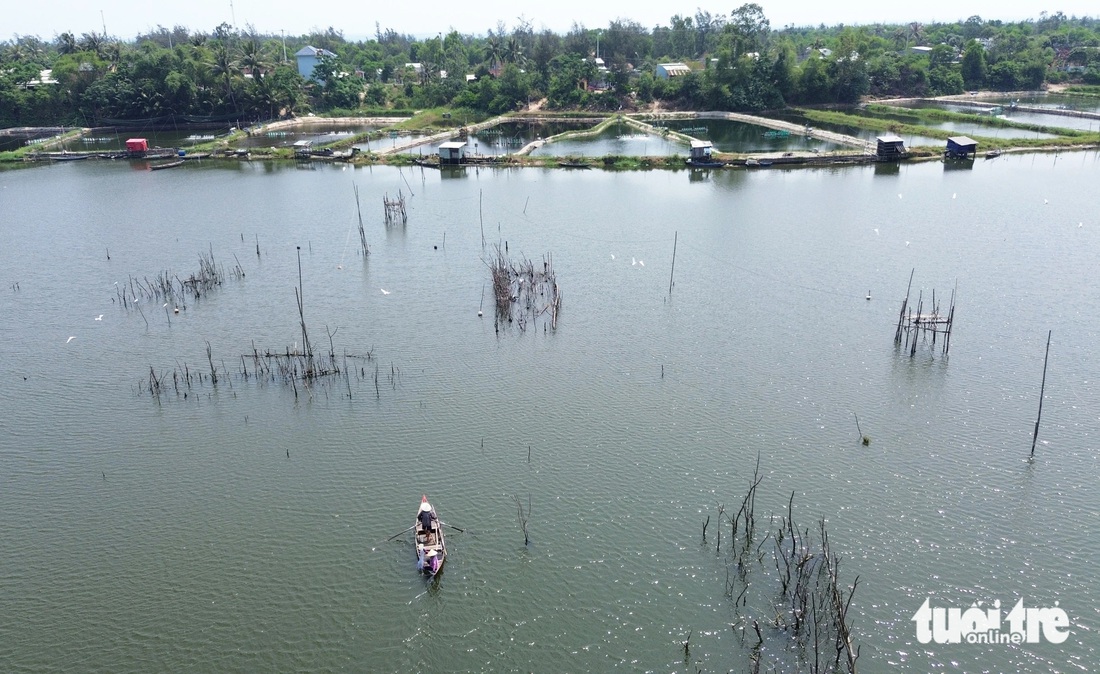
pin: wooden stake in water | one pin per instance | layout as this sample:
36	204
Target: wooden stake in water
675	238
1035	434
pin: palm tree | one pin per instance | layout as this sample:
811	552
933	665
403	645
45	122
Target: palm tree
112	53
66	43
513	51
493	50
222	68
901	38
91	42
917	31
252	58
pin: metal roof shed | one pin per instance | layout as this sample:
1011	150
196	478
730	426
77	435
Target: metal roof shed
961	147
701	149
890	147
452	152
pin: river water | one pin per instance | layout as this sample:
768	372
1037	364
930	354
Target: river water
244	526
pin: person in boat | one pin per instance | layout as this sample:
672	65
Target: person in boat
427	520
431	561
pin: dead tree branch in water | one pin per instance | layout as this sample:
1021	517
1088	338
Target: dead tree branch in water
808	605
525	293
395	210
362	231
522	516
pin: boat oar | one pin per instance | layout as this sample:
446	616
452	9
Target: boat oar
400	532
451	526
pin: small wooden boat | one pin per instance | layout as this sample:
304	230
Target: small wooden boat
166	165
431	548
705	163
993	154
573	164
69	157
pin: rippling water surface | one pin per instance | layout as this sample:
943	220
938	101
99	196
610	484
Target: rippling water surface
244	526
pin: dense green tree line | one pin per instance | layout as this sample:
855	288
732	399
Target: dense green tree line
739	62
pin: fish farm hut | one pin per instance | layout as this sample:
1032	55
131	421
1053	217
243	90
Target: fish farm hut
890	147
303	148
137	146
452	153
961	147
701	150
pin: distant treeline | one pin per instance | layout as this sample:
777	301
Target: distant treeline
737	62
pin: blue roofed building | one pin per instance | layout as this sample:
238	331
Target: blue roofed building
308	58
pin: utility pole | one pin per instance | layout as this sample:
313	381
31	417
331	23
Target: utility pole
283	33
104	24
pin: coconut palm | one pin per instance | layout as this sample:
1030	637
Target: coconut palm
901	38
91	42
66	43
494	51
917	31
252	58
513	51
222	67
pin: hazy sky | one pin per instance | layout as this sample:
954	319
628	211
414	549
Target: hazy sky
127	18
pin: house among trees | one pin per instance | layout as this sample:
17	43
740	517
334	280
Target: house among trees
666	71
308	58
44	77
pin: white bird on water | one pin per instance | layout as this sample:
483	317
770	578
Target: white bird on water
633	262
99	317
875	230
613	256
70	339
384	291
641	262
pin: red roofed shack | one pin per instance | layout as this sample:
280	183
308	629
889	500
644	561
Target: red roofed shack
137	146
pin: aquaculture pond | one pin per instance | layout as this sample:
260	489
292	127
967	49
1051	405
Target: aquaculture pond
619	139
731	136
392	139
1055	101
176	495
508	137
114	140
973	128
1028	117
14	139
855	131
320	133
